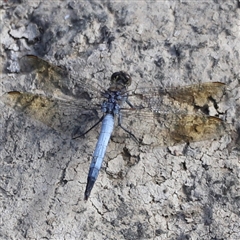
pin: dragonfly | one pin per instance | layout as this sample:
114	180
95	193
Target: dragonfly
149	115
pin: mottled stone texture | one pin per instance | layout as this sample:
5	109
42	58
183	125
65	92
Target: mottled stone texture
181	192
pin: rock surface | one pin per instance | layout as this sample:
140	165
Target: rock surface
179	192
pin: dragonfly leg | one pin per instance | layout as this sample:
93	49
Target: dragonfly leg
127	101
77	136
134	107
131	134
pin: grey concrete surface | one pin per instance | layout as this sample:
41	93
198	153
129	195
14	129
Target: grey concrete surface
161	192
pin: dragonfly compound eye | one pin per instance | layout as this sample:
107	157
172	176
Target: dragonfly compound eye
121	78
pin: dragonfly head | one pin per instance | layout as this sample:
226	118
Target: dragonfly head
120	81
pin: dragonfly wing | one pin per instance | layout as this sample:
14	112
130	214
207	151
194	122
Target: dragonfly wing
169	117
171	129
53	80
197	95
45	76
60	115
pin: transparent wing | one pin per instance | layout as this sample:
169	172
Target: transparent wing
65	104
165	116
169	117
197	95
55	81
170	129
63	116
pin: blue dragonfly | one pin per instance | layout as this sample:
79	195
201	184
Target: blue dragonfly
149	115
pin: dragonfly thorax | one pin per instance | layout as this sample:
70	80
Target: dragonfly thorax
113	102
